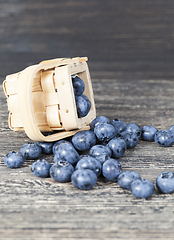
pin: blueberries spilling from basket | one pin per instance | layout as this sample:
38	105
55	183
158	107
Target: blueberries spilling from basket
83	103
89	154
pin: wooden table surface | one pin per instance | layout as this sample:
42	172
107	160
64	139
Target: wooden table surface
130	49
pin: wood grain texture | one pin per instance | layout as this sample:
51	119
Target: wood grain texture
123	39
34	208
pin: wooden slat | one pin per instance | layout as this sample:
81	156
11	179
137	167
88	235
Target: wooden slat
13	104
53	116
51	99
47	81
17	122
38	102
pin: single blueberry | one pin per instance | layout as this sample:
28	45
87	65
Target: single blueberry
126	178
78	85
105	132
119	125
130	138
84	179
88	101
148	133
142	188
88	162
134	128
14	159
56	145
82	106
41	168
61	171
165	182
118	147
30	151
111	169
100	119
46	147
66	151
84	140
164	138
100	152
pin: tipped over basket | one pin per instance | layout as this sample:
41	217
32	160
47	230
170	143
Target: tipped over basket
41	99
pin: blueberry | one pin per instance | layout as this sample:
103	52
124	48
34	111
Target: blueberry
84	140
142	188
41	168
46	147
118	147
61	171
14	159
126	178
134	128
78	85
100	152
88	101
130	138
66	151
100	119
111	169
148	133
84	179
119	125
30	151
88	162
105	132
56	145
82	106
164	138
165	182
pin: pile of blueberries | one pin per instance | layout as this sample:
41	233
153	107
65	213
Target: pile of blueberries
89	154
83	103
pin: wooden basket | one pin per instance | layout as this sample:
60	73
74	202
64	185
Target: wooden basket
41	98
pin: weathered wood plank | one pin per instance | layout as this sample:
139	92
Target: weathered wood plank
123	39
34	208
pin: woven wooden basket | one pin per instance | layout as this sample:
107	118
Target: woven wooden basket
41	98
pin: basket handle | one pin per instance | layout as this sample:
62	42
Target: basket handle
25	104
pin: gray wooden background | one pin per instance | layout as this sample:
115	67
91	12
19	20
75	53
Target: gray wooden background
130	45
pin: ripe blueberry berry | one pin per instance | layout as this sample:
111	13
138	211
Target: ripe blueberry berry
61	171
66	151
78	85
142	188
148	133
105	132
84	179
118	147
30	151
100	119
165	182
164	138
41	168
88	162
84	140
14	159
111	169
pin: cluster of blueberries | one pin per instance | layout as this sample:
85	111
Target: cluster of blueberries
83	103
89	154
